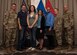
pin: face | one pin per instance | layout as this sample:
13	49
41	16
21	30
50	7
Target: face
23	8
13	7
65	8
32	8
40	12
48	9
56	11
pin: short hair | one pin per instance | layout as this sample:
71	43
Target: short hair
23	5
13	4
57	9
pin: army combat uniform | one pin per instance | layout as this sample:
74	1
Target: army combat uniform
10	26
58	29
68	27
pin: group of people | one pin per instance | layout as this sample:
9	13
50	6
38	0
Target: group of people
38	26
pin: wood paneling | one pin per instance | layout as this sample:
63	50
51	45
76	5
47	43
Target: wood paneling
56	4
75	20
72	4
65	2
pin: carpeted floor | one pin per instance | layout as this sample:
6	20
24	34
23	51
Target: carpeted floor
42	52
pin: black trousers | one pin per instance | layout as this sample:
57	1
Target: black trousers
51	38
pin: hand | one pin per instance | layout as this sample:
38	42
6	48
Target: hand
5	14
49	29
40	31
6	28
30	26
20	28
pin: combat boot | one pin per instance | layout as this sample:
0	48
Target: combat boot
12	49
69	47
59	47
8	50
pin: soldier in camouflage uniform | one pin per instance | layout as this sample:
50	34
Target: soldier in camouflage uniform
68	27
58	28
10	25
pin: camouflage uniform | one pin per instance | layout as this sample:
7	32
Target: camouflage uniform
10	26
68	27
58	29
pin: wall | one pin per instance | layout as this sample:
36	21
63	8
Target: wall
72	4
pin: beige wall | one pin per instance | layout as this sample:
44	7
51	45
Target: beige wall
72	4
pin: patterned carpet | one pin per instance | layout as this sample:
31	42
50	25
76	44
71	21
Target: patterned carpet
42	52
37	53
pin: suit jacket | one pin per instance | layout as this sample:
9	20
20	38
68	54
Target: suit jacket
43	23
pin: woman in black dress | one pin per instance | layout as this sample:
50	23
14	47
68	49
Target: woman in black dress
40	28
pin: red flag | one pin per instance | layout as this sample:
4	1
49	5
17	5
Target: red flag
48	4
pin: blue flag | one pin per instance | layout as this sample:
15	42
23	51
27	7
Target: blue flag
23	2
41	7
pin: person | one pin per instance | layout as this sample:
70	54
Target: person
22	24
58	28
68	26
31	21
10	25
40	29
49	27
